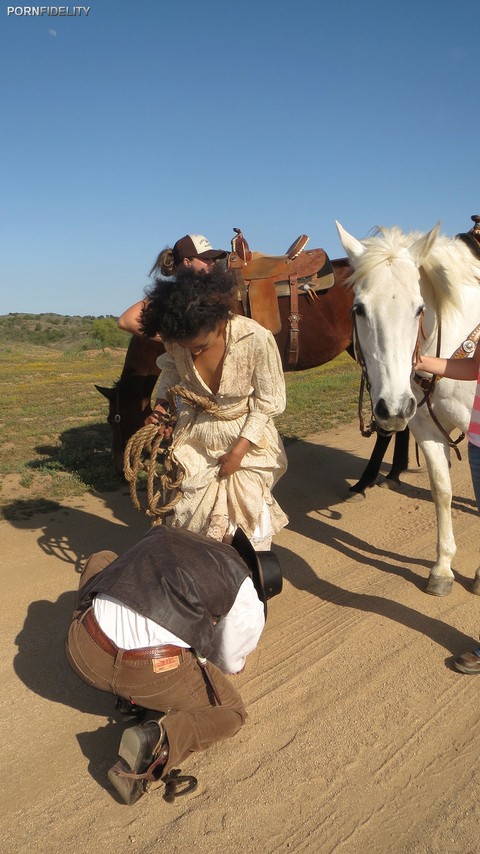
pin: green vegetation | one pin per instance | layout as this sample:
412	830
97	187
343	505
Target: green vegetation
62	332
55	441
320	398
106	333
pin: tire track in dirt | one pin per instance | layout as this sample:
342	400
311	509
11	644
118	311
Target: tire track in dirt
359	737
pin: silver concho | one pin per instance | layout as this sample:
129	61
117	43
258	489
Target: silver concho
468	346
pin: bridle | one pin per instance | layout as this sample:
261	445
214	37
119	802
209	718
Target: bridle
465	350
373	426
116	415
118	422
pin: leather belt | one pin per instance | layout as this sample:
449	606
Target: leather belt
146	653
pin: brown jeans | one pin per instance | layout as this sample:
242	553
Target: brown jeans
193	719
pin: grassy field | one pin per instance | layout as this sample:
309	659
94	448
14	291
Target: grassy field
55	439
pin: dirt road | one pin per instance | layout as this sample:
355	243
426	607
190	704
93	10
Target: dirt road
360	736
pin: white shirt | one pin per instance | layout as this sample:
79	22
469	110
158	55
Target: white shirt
235	635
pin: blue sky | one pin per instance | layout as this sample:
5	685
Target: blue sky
149	119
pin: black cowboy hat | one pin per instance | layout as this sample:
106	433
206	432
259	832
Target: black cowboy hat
264	566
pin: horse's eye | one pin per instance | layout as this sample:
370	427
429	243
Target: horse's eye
420	310
359	309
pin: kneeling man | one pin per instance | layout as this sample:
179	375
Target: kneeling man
160	627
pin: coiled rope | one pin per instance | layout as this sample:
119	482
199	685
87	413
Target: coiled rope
141	455
147	443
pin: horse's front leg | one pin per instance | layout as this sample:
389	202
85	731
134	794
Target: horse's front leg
437	457
372	469
400	455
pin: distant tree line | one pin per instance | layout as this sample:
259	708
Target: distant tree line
62	332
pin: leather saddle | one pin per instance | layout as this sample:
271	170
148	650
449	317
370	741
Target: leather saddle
262	279
472	237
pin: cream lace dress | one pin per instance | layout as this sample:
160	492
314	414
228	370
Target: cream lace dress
251	393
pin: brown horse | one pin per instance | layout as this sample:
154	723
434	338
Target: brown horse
325	332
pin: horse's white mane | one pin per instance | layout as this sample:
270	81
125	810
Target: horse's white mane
446	268
387	245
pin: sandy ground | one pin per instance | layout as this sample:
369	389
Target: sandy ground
360	736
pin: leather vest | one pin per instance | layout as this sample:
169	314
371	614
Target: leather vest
183	581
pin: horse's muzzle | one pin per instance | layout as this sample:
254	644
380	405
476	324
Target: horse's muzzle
393	419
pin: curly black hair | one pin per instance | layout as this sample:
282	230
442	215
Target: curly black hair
189	305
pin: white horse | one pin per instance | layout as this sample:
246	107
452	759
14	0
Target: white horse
417	291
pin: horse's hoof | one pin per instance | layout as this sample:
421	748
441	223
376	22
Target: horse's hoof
439	586
390	483
476	585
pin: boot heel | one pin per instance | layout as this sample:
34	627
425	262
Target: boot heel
132	748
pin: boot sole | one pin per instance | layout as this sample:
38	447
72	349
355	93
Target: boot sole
133	749
129	790
466	670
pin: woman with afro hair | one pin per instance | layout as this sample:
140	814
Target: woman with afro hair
223	373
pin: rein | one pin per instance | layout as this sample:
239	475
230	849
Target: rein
465	350
428	387
364	381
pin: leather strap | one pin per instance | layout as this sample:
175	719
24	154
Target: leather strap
472	242
294	318
236	265
145	654
468	346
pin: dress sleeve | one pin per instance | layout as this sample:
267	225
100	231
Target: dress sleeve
237	634
169	375
269	396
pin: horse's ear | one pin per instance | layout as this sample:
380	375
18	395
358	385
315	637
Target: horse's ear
107	392
352	246
423	245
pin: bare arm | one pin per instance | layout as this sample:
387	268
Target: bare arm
453	369
168	376
129	321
